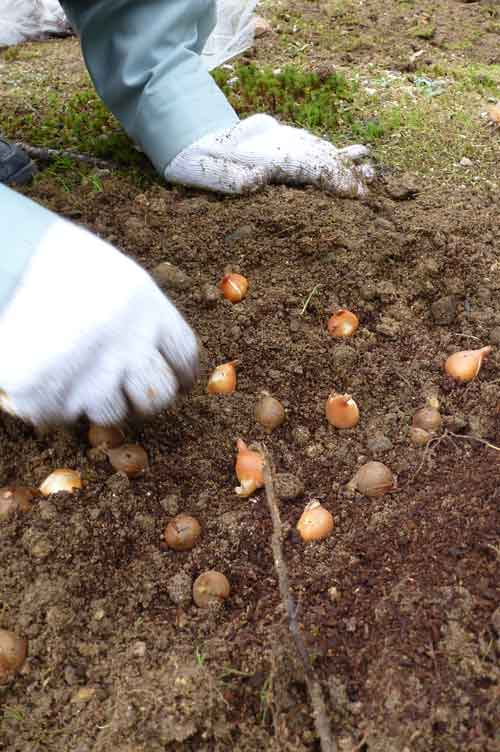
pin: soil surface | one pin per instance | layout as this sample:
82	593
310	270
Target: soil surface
399	607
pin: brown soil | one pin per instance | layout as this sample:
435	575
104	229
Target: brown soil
399	608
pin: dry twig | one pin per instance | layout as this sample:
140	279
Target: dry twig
49	155
436	440
321	722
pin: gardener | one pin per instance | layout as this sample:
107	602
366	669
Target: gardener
84	330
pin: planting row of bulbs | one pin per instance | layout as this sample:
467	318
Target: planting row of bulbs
341	410
373	479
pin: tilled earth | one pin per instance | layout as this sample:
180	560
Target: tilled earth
399	607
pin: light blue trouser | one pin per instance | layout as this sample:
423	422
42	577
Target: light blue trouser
143	56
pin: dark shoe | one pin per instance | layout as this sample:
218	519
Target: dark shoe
16	168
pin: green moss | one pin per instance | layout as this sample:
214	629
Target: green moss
80	122
293	94
423	31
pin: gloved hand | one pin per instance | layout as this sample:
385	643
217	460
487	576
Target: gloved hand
89	332
259	150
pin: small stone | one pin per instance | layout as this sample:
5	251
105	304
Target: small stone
47	510
383	224
170	277
179	588
71	675
368	291
334	594
241	233
400	191
288	487
211	295
59	617
314	450
139	649
466	162
351	624
301	435
84	694
344	355
482	426
171	504
145	522
388	327
455	423
118	482
379	443
41	548
444	310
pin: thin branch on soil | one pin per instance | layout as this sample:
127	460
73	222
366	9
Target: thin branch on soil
49	155
314	687
470	437
468	336
308	299
436	440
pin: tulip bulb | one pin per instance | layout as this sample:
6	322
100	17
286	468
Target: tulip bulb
427	418
249	469
183	532
343	323
234	287
105	437
223	379
210	587
373	479
465	365
15	499
419	436
130	459
269	412
315	523
341	411
13	652
61	479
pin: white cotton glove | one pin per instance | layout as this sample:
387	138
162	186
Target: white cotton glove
89	332
260	150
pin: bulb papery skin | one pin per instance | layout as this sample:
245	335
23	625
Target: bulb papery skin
341	411
373	479
247	488
343	323
316	522
223	379
464	366
249	469
234	287
61	479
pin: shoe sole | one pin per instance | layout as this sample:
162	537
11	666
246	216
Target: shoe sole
23	175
